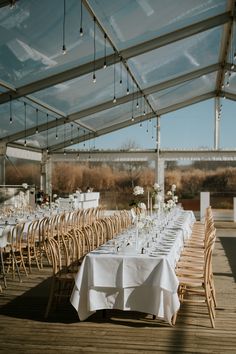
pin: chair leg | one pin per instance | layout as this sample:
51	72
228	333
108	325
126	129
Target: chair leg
3	269
15	264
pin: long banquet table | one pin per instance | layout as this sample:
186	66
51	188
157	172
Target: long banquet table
129	280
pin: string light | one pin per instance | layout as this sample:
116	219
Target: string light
64	29
114	80
132	118
84	138
47	134
144	106
37	120
94	49
64	151
25	142
11	110
105	51
81	19
127	91
56	130
71	133
137	104
120	70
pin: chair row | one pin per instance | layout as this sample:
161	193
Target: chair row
26	240
194	268
66	250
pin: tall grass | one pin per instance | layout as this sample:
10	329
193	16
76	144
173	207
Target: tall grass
116	181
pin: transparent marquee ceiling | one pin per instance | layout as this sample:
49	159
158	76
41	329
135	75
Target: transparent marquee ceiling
72	70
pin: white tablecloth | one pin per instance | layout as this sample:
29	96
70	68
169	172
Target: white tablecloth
131	282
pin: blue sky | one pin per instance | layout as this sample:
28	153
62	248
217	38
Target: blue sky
188	128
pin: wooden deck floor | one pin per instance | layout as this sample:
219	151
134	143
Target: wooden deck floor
24	330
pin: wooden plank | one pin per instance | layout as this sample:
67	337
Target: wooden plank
24	330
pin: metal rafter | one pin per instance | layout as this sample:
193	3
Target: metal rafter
122	125
147	155
225	46
137	119
111	59
230	96
109	104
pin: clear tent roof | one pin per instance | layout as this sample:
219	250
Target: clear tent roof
148	59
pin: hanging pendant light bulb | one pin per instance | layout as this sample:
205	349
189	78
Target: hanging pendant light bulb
114	80
37	120
64	29
71	134
120	70
234	55
56	130
127	90
47	134
232	67
10	120
105	51
94	50
81	32
25	143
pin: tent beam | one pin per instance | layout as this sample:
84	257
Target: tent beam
126	54
109	104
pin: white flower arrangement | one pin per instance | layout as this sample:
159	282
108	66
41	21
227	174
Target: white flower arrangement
172	198
25	185
138	190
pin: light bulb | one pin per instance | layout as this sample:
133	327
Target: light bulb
137	105
127	91
63	49
114	99
94	78
25	143
36	131
10	120
56	136
232	67
104	65
132	119
81	33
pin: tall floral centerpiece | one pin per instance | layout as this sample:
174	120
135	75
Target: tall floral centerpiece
172	198
156	194
137	202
